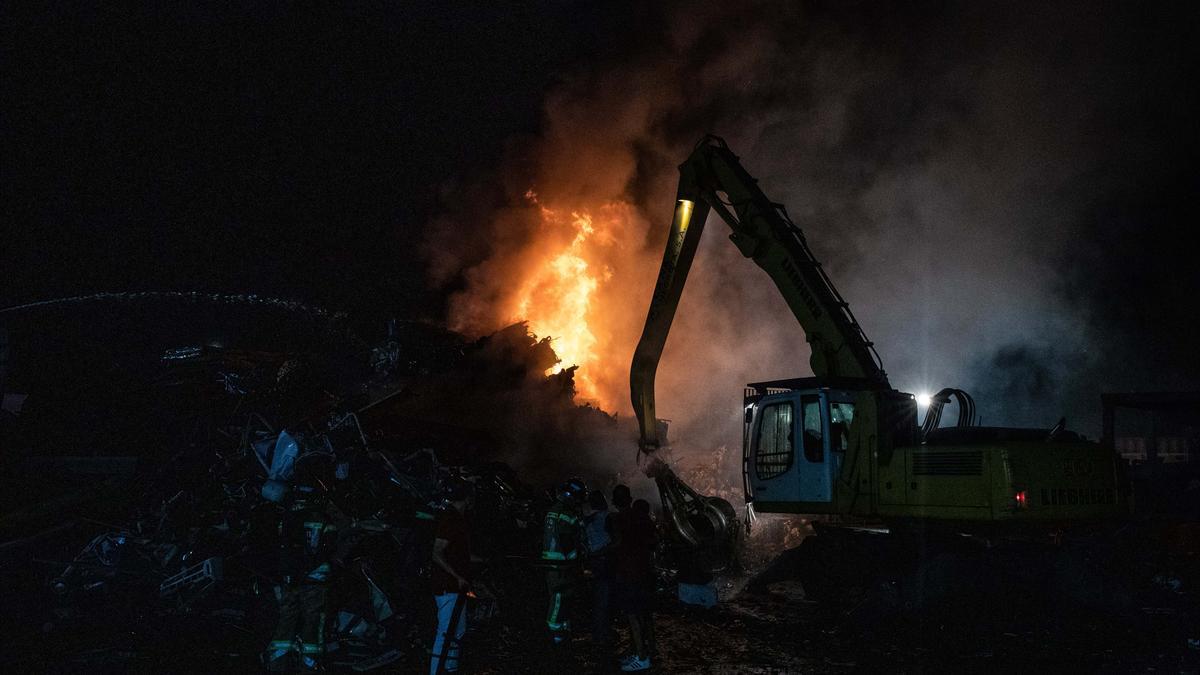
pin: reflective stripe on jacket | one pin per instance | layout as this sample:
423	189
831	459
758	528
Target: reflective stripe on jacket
560	534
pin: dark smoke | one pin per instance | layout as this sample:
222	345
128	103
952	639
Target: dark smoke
978	179
1026	383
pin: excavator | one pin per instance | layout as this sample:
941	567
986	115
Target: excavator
844	443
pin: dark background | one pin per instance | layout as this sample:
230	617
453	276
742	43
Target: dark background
301	153
259	149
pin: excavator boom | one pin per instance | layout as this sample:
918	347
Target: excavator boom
712	178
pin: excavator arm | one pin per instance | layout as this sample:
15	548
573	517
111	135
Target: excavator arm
712	178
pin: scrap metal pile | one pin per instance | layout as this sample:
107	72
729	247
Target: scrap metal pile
198	539
205	547
180	532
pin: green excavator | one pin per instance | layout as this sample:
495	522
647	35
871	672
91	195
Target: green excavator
844	442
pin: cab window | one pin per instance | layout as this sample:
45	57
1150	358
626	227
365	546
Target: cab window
814	449
841	416
774	456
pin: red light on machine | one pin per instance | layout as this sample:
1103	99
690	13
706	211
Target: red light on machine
1022	499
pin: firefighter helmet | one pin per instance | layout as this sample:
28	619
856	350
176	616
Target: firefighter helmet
574	489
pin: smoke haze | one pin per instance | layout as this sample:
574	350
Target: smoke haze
973	176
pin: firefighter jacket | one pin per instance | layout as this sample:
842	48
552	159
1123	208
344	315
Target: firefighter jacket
561	532
308	539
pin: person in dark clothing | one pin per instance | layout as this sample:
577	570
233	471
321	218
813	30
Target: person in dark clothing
633	568
599	548
562	541
621	500
451	580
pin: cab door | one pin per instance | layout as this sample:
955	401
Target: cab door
816	460
772	472
789	459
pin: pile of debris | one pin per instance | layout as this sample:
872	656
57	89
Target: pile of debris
203	546
161	521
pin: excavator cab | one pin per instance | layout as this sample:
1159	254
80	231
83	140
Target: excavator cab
795	439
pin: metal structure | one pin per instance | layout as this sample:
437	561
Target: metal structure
845	442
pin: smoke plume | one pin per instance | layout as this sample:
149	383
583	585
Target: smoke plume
951	165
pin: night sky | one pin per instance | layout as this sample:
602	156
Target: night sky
255	148
304	154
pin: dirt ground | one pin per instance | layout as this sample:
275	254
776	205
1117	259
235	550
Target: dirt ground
776	631
780	632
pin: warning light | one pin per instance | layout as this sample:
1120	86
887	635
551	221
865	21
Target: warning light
1022	499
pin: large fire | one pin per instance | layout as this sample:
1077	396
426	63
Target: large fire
577	270
559	296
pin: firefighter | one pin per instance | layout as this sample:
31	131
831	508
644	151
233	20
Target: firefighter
562	537
308	535
451	579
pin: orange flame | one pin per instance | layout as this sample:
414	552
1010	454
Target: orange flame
559	297
575	270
